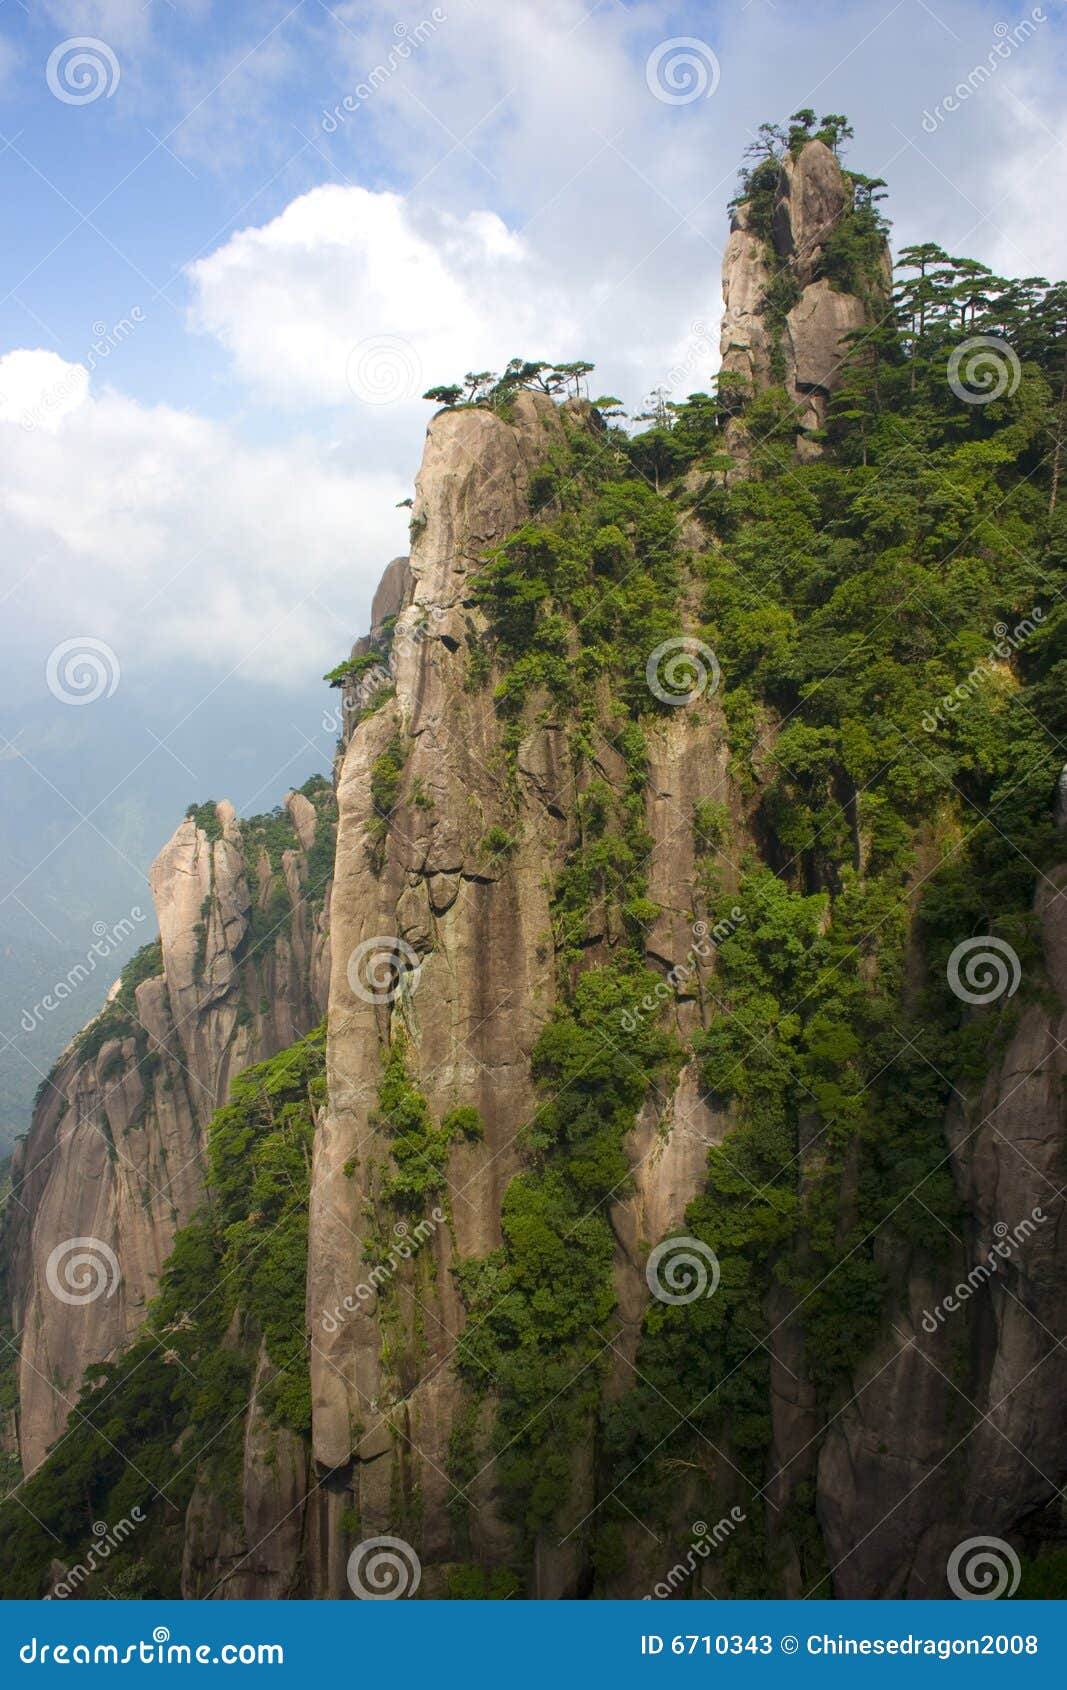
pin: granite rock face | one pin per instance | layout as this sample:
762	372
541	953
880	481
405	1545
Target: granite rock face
484	983
439	943
956	1427
392	594
114	1154
805	352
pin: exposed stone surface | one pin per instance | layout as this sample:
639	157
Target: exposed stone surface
114	1153
956	1429
257	1556
391	595
814	194
486	981
806	356
951	1427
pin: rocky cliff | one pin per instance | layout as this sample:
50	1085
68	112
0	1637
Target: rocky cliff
795	296
676	1206
113	1162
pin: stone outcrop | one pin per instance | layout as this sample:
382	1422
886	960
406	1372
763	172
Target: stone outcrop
804	350
440	945
113	1158
956	1426
485	979
385	1407
392	594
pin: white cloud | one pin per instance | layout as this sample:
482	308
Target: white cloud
351	297
554	207
38	388
1029	177
295	300
163	534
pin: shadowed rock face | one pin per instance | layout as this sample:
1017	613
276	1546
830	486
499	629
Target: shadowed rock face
385	1403
114	1152
386	1393
485	985
945	1431
806	354
956	1429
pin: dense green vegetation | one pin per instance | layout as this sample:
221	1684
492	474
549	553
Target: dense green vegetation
171	1410
846	599
893	643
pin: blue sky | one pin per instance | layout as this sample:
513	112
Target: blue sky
219	306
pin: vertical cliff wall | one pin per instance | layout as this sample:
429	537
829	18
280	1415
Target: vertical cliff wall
645	892
113	1162
795	297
